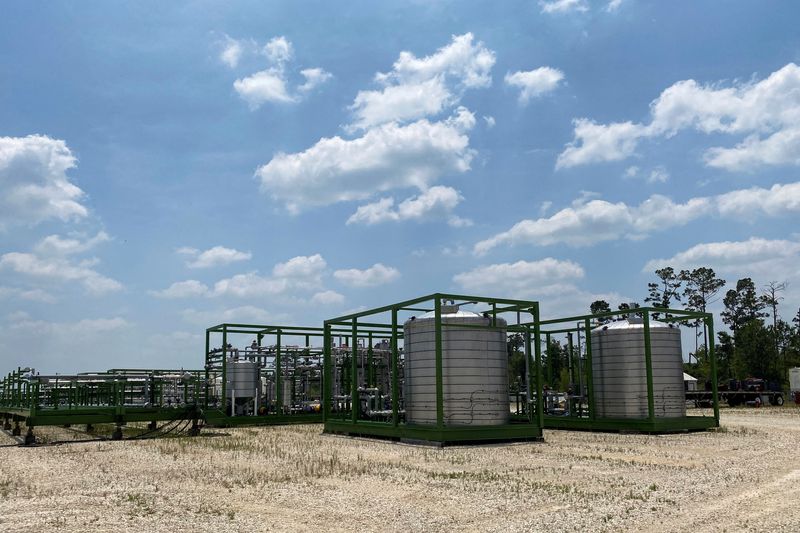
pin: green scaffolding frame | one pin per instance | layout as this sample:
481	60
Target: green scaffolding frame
651	424
363	324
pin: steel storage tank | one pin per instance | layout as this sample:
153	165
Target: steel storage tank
243	379
474	369
619	372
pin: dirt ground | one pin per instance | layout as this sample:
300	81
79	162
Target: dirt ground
745	477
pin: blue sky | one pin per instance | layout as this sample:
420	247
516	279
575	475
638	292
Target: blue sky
167	167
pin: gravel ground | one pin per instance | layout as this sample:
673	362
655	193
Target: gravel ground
744	477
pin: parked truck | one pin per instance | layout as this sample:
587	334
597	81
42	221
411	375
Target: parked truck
751	391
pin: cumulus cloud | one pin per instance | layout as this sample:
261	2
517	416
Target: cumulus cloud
377	274
298	273
423	87
182	289
534	83
262	87
87	326
563	6
435	203
301	273
59	269
34	185
314	77
245	314
272	85
32	295
613	5
767	112
521	279
327	298
387	157
231	50
58	245
216	256
587	221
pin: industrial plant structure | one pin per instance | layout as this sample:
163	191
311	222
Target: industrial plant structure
433	369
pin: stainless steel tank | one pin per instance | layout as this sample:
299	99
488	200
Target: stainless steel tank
619	373
474	370
242	379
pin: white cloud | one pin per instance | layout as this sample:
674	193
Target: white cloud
279	50
490	121
422	87
85	327
232	50
534	83
600	142
272	84
262	87
314	78
327	298
250	285
59	269
435	203
34	186
308	268
632	171
182	289
298	273
521	279
658	175
216	256
386	157
767	111
400	103
246	314
563	6
377	274
613	5
33	295
588	222
756	201
57	245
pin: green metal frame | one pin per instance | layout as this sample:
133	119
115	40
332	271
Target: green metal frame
115	396
365	324
651	424
216	365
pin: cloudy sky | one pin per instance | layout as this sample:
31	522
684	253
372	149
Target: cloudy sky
169	166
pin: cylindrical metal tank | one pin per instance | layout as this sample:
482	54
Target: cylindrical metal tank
474	369
242	379
619	372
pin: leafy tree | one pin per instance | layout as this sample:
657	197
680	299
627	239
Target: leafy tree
753	353
724	352
516	359
742	305
600	306
660	294
702	285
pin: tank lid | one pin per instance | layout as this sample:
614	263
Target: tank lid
632	323
449	311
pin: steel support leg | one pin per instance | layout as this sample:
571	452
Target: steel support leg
117	435
17	431
30	438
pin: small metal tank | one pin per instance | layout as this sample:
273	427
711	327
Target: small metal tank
243	380
474	370
619	373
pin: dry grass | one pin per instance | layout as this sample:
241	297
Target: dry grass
744	477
